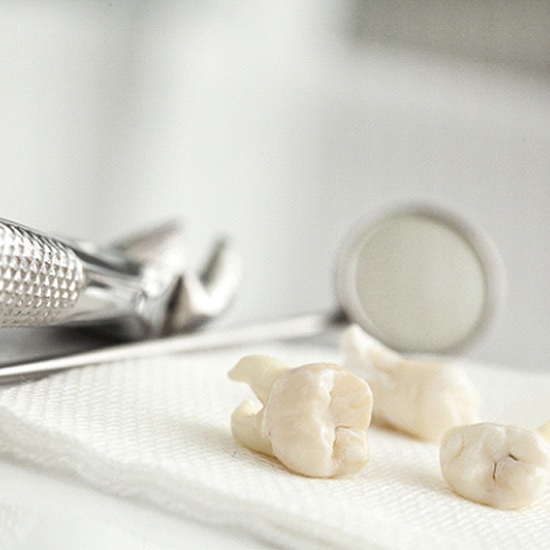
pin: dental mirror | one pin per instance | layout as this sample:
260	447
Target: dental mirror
417	278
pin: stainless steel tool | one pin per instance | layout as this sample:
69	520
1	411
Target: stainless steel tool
418	278
133	289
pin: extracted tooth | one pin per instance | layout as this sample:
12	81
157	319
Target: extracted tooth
501	466
314	418
544	430
421	398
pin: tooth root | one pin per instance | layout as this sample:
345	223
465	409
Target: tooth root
355	347
365	354
259	372
423	399
544	430
246	426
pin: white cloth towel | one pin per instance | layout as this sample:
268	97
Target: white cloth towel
158	430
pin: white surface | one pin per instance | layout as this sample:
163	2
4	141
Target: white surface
157	432
42	511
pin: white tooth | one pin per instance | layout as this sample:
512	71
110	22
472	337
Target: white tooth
501	466
314	420
421	398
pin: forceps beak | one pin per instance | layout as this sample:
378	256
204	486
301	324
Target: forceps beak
199	296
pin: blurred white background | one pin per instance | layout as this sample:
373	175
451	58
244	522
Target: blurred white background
282	123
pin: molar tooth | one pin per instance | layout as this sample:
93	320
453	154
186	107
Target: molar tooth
501	466
314	419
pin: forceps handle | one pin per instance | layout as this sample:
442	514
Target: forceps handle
293	327
49	281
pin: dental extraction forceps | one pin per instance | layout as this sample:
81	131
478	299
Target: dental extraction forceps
135	289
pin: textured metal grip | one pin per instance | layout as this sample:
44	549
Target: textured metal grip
40	278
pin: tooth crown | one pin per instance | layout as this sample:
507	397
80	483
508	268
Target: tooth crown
501	466
326	434
314	420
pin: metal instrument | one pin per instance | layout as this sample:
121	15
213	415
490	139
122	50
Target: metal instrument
417	278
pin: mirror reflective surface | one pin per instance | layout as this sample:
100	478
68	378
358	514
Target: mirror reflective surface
419	280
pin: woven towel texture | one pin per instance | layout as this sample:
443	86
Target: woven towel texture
158	430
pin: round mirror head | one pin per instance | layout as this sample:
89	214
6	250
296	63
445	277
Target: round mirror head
419	280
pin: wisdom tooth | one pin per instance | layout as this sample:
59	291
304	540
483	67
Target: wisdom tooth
313	419
421	398
501	466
